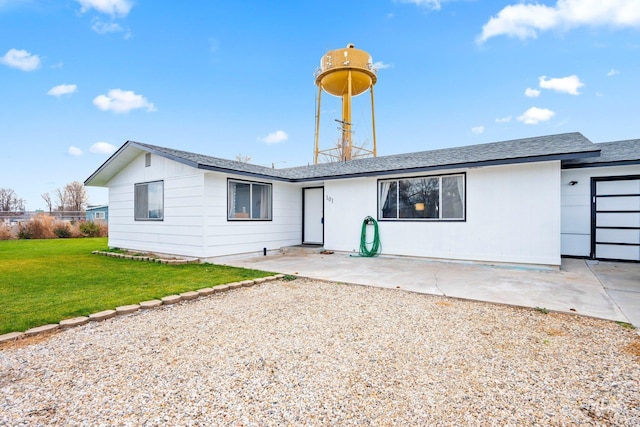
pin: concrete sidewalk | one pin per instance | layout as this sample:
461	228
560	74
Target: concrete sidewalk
606	292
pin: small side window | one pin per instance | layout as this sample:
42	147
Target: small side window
148	201
147	160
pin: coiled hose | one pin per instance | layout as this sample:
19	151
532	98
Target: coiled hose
375	244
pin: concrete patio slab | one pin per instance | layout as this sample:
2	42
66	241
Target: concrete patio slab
622	282
572	289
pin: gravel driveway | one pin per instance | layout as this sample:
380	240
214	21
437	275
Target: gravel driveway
315	353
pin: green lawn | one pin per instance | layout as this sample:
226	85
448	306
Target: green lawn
45	281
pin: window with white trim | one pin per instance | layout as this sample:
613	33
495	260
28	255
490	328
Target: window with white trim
99	215
248	200
426	198
148	201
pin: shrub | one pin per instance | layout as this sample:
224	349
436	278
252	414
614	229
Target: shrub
90	229
6	232
62	230
38	227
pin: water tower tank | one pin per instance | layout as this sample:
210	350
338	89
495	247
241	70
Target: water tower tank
339	65
345	73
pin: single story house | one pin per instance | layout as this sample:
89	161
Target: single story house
97	213
503	202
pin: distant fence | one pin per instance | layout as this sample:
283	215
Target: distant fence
17	217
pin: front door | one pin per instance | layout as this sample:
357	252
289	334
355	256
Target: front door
313	215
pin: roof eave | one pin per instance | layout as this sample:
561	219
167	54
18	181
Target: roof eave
244	173
601	164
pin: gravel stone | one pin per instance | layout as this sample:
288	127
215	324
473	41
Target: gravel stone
315	353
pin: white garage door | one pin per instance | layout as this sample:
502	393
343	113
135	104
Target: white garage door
615	214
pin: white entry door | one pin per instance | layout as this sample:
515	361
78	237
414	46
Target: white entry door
313	215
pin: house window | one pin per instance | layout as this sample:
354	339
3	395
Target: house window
147	160
249	200
428	198
149	201
98	215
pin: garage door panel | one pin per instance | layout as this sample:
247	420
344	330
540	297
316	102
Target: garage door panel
617	236
631	203
616	211
617	219
629	186
631	253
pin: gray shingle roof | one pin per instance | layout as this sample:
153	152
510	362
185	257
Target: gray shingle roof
552	147
612	153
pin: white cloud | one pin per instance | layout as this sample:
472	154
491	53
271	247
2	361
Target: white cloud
613	72
62	89
21	59
532	93
429	4
535	115
74	151
503	119
106	27
102	148
381	65
109	7
525	20
568	85
122	101
275	137
477	130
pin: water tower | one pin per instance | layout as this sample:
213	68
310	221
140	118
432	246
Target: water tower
345	73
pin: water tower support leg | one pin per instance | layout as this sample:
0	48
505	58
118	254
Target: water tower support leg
317	148
373	123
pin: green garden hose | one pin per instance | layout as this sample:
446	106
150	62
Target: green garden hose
375	244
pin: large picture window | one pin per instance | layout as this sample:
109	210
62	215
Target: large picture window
149	201
249	200
422	198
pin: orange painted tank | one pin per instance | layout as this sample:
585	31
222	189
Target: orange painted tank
335	67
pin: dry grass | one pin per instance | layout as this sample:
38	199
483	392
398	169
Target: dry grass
44	226
6	232
633	348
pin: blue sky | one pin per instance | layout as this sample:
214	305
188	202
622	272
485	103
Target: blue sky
78	78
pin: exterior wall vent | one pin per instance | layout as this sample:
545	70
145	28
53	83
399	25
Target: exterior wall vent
147	160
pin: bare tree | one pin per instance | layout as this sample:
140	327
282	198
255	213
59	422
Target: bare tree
244	158
47	199
61	199
76	196
10	202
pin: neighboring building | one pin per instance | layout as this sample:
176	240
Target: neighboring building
97	213
498	202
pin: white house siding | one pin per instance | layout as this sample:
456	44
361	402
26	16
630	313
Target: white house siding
512	216
181	232
225	237
576	206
